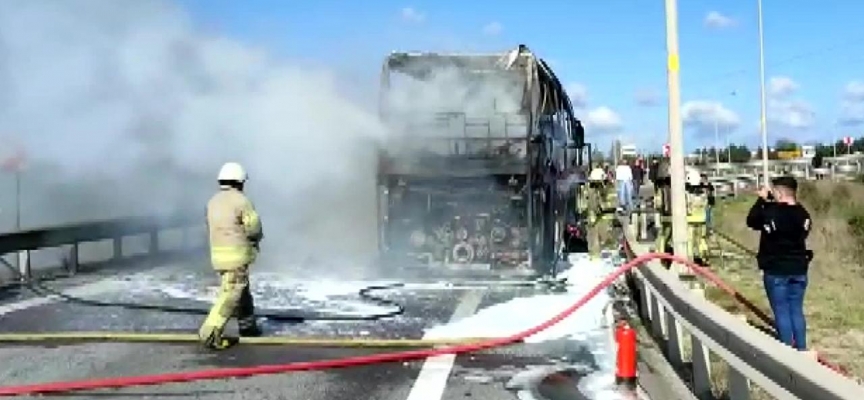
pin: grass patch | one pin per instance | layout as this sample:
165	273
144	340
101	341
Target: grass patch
835	301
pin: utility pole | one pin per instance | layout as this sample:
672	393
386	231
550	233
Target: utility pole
763	113
676	136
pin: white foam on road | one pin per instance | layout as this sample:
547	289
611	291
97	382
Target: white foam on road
588	326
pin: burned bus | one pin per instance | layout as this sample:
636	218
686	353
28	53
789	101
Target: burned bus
467	176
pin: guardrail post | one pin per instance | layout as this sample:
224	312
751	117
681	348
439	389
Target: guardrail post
118	247
674	343
154	242
643	224
24	265
646	301
701	369
701	358
72	265
657	321
738	385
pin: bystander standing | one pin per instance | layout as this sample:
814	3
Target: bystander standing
709	210
624	186
783	256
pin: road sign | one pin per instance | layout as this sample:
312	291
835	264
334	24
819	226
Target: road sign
667	150
13	158
847	140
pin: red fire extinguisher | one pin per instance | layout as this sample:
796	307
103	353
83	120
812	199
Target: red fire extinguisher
625	366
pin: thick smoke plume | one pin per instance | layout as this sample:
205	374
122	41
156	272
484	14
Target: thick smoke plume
126	108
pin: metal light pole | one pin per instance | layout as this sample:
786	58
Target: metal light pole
717	143
676	137
763	120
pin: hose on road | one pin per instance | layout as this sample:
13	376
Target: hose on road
224	373
292	316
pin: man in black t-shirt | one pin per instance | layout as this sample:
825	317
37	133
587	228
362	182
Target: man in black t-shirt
783	257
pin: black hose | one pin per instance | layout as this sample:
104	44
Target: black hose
293	316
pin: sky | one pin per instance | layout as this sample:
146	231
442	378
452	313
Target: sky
610	54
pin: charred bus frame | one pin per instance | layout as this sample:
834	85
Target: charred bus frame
551	136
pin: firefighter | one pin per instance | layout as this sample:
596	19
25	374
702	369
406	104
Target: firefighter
598	219
663	208
235	233
697	204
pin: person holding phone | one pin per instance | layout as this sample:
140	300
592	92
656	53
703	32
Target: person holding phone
783	257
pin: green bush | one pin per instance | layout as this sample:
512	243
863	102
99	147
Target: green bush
810	195
855	223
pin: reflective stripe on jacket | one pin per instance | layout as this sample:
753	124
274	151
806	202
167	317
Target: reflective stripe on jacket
234	228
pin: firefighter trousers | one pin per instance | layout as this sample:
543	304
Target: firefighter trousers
598	235
234	299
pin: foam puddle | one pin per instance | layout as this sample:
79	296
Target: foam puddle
586	328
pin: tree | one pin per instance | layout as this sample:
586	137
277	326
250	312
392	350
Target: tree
739	154
785	145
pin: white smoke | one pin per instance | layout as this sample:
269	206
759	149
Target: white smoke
125	107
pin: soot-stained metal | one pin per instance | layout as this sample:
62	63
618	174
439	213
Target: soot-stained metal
478	186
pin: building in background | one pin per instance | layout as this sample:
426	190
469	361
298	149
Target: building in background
629	150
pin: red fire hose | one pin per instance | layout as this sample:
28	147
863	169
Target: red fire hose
62	387
120	382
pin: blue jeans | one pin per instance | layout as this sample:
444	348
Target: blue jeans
625	194
708	218
786	296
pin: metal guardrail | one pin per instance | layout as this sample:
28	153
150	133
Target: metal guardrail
22	243
674	311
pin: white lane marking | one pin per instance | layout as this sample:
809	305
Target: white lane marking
432	380
88	289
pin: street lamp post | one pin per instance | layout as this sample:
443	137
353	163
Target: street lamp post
763	120
676	139
717	143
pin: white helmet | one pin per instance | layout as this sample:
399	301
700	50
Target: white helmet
232	171
597	175
694	178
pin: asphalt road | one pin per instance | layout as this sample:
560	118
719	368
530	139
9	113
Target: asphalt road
477	376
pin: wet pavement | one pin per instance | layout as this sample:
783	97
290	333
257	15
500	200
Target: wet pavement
486	375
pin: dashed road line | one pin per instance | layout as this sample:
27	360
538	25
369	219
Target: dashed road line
432	380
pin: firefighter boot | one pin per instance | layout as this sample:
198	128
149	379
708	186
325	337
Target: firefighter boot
249	328
246	320
212	339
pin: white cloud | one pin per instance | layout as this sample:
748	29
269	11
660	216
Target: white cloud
716	20
602	120
578	94
647	97
852	105
704	115
147	100
781	86
493	29
411	15
599	120
854	92
791	114
785	111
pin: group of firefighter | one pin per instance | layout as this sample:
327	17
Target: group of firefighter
235	230
600	202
